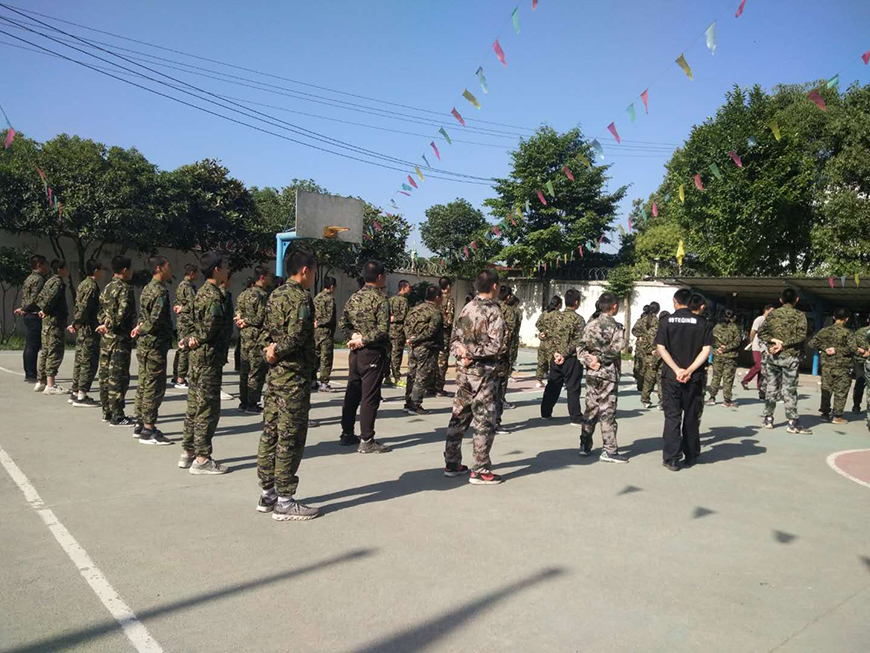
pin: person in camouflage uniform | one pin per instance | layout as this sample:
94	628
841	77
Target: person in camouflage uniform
601	352
288	348
154	334
836	345
637	330
784	331
652	361
324	333
544	325
184	295
565	369
860	344
54	311
512	319
84	326
448	315
477	339
365	320
30	312
398	313
117	317
514	303
727	339
208	354
424	331
250	318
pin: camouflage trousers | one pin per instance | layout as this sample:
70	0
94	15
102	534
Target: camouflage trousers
151	386
87	359
51	354
325	349
397	348
421	368
836	381
652	379
639	368
473	406
601	398
114	375
545	354
252	372
181	364
724	370
443	361
781	378
867	386
502	374
203	399
284	433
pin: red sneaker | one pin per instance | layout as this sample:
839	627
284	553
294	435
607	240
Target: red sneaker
454	469
485	477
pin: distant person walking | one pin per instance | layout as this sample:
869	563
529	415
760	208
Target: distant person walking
30	312
757	353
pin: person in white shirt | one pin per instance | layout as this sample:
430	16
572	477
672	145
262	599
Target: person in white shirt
757	351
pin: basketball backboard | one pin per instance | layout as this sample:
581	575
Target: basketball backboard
329	217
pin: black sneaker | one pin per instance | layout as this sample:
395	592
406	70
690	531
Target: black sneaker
123	421
455	469
585	451
267	502
154	437
137	430
372	446
348	440
388	384
442	393
794	426
416	410
242	408
106	418
254	410
500	430
646	404
671	465
484	477
767	423
87	402
293	511
612	457
508	405
856	409
690	461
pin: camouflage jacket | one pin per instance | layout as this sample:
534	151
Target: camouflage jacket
52	301
841	339
324	311
425	326
87	307
644	330
30	291
155	316
861	340
229	310
479	329
290	325
603	338
117	309
729	337
568	333
787	324
448	313
399	312
252	309
184	296
512	320
210	317
367	313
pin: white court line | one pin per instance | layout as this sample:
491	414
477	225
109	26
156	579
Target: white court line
134	629
832	463
11	372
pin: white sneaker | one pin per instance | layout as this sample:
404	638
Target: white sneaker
181	386
39	387
54	390
226	396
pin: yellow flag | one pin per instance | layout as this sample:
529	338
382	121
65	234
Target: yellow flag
774	127
682	63
681	252
468	96
682	194
856	280
419	173
584	160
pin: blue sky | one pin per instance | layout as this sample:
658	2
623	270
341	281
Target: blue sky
573	63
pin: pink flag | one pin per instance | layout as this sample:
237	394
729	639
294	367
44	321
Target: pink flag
600	240
473	245
41	173
831	281
10	134
457	115
405	193
513	222
499	53
816	97
49	195
740	8
629	223
541	197
412	182
496	230
377	225
580	249
866	57
735	159
612	129
435	147
534	4
568	172
645	97
655	210
467	255
698	182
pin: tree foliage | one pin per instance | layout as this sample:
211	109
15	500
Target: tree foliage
450	228
14	268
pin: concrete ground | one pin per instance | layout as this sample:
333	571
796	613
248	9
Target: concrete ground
763	547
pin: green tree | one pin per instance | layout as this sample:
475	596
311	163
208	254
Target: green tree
450	228
581	211
14	268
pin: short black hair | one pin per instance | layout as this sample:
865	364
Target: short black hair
278	281
769	307
249	281
607	301
328	282
57	264
210	261
468	298
788	296
433	293
120	263
404	283
572	297
504	292
372	270
654	308
645	310
260	271
360	282
842	314
296	259
188	268
485	280
156	261
696	301
729	315
664	314
36	260
555	303
596	314
443	282
682	296
92	265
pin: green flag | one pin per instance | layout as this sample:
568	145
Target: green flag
516	18
550	189
715	170
446	137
